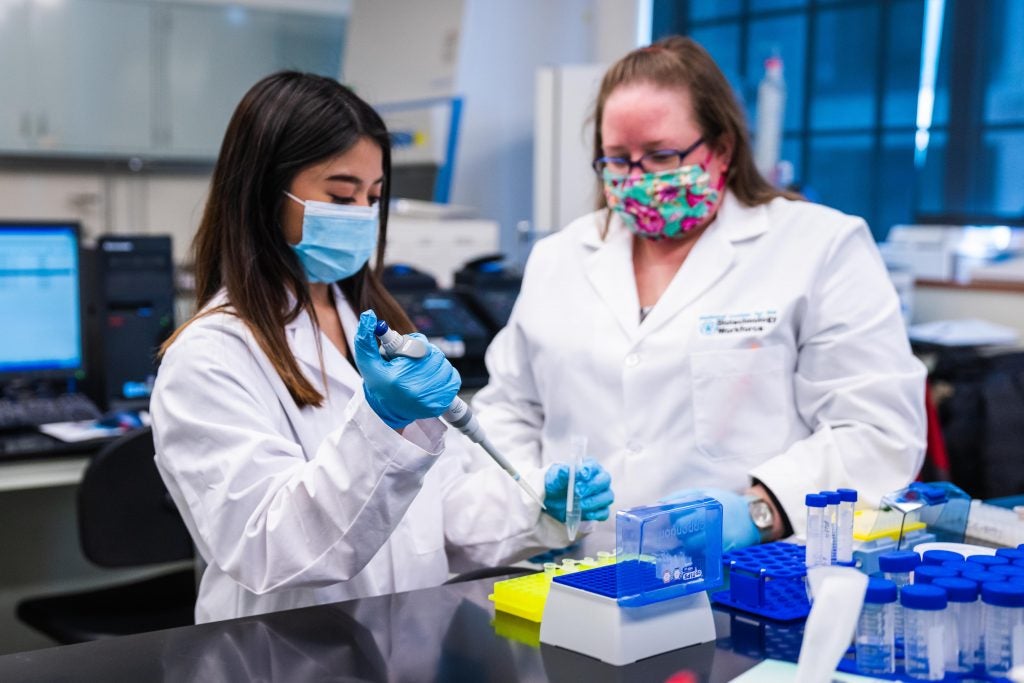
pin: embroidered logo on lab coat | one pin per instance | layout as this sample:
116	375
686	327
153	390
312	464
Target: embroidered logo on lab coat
754	323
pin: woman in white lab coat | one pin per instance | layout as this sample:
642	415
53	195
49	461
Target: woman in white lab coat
306	467
703	329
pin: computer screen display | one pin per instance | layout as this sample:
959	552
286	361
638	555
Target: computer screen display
40	308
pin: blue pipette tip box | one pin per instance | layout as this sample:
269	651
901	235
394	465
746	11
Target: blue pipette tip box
664	551
767	580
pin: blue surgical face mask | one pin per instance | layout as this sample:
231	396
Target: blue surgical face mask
337	240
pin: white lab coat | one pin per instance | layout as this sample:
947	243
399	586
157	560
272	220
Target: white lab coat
777	352
292	507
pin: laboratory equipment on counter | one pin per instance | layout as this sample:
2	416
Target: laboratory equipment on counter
924	632
875	644
653	598
573	512
844	526
1004	627
816	532
963	639
768	580
458	415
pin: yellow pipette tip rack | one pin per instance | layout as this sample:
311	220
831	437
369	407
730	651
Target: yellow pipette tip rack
524	596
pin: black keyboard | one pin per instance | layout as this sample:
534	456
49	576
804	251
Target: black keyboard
33	411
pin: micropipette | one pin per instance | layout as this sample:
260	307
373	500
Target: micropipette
573	513
458	414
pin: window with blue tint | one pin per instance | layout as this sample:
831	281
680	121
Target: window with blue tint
1004	178
895	184
845	69
931	181
792	151
940	111
1003	59
902	71
840	171
723	43
785	36
700	10
761	5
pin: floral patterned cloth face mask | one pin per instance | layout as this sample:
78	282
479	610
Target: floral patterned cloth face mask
665	204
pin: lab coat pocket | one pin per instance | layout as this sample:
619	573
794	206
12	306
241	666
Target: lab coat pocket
738	401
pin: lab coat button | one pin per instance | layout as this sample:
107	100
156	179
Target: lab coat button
632	360
634	447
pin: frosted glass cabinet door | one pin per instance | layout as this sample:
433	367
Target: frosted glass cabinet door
214	55
16	119
90	75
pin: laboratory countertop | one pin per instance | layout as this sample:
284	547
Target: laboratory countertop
435	634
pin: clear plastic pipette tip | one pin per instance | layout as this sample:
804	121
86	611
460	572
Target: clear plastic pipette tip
530	492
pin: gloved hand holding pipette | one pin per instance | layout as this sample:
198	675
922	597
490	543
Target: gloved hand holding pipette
438	400
403	390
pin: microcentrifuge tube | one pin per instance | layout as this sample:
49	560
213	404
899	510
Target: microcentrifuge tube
573	513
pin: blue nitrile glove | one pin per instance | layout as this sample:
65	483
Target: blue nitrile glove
593	484
402	390
738	530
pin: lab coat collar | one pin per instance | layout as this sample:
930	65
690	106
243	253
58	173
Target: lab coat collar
609	268
303	336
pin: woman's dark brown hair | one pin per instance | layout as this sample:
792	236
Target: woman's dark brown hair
284	124
677	62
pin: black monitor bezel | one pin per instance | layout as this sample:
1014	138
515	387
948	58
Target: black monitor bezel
8	376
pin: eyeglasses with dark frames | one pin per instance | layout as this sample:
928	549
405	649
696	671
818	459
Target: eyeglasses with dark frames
652	162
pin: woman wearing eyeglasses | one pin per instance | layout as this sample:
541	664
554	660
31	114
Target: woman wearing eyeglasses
703	329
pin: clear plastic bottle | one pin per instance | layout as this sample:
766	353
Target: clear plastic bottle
771	107
963	624
844	526
832	499
1004	627
898	567
924	631
814	551
875	643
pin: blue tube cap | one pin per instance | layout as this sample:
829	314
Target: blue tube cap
832	497
956	565
958	590
917	596
899	561
880	591
940	556
1002	594
815	500
927	573
1007	570
988	561
980	575
1012	554
847	495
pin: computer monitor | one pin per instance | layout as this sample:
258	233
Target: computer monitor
40	301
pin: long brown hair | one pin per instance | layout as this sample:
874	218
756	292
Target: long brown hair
678	62
285	123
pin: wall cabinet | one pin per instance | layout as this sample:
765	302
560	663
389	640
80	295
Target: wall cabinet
118	78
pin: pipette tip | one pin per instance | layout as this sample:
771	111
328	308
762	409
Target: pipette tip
530	492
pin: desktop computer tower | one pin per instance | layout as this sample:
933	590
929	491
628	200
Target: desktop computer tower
129	314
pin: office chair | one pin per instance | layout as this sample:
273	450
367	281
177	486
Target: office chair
125	519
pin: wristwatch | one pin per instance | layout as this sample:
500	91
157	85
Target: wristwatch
762	516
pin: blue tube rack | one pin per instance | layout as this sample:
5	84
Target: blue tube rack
767	580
